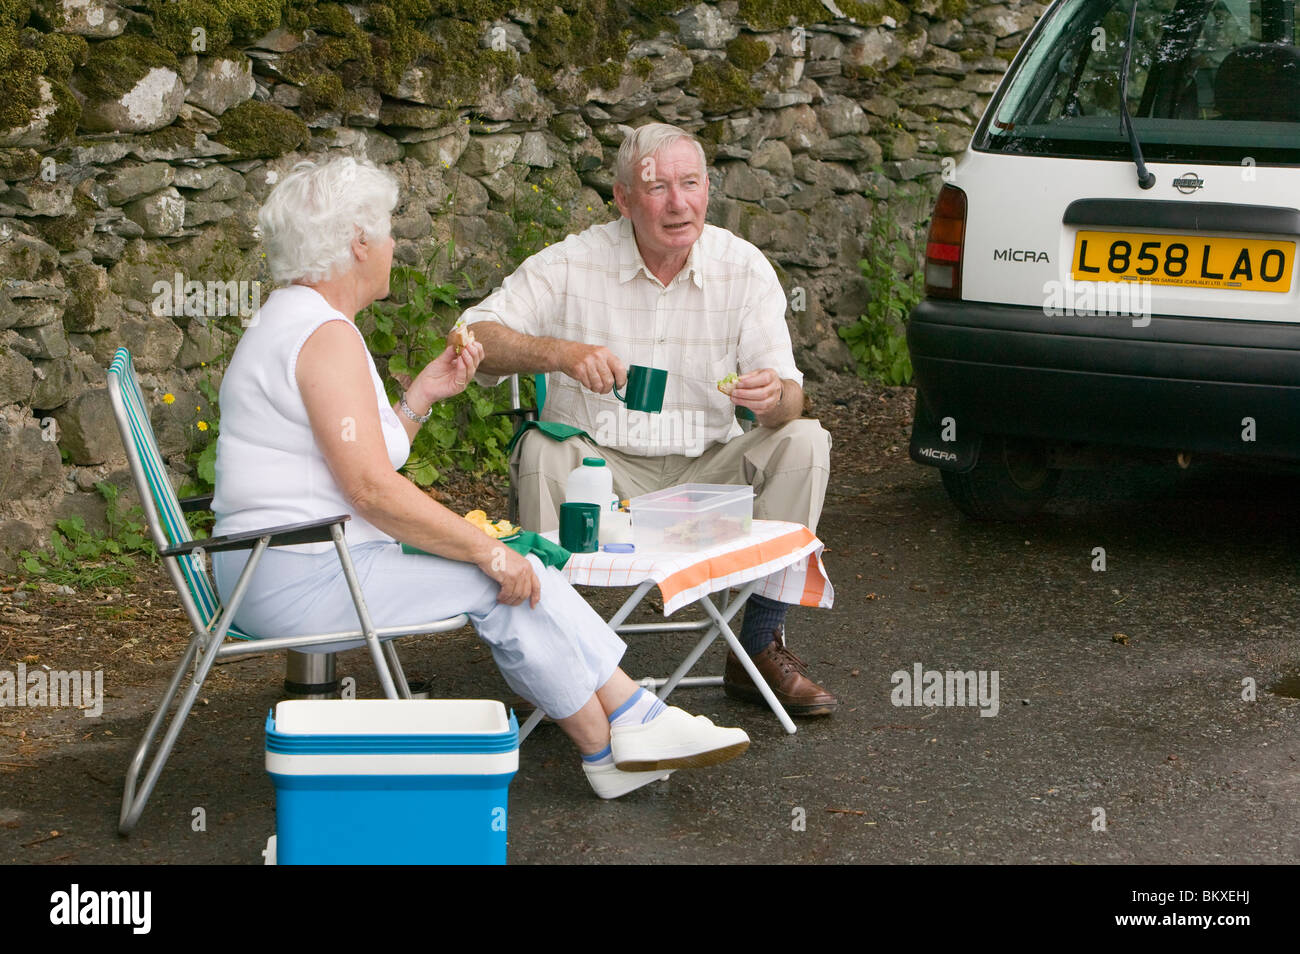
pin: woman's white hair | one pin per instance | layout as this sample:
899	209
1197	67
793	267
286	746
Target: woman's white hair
646	141
310	218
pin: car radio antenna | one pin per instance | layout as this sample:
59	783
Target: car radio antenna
1146	179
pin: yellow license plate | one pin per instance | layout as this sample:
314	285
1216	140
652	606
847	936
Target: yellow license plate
1213	261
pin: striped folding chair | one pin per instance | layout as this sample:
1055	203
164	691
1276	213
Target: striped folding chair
210	622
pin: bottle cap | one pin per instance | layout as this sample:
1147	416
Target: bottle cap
593	462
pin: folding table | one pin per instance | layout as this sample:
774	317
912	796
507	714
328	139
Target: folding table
779	560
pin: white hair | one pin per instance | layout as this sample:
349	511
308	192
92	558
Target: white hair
645	141
310	218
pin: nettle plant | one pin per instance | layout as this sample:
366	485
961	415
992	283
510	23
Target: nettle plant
407	331
895	279
83	558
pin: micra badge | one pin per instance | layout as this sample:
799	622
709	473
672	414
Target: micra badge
1188	183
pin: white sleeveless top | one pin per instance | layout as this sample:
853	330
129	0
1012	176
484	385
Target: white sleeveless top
270	471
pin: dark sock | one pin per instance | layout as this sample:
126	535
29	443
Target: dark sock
762	618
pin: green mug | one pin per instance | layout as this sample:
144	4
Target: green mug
579	527
645	389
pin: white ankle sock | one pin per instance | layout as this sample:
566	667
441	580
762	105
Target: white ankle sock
604	757
640	708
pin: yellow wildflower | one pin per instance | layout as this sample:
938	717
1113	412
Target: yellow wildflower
169	398
202	425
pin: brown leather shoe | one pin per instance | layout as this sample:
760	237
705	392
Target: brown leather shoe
786	674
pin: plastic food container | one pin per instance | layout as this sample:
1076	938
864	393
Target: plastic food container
380	781
691	517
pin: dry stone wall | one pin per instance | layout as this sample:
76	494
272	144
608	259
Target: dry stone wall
137	140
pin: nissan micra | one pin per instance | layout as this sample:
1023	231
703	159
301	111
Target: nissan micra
1111	265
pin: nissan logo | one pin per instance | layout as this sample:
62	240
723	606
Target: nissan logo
1188	183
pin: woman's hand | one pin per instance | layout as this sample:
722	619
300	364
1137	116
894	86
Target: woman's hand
514	573
444	376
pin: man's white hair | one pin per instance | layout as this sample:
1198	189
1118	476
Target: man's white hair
310	218
646	141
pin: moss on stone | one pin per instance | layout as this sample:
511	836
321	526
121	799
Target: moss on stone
953	9
171	138
17	165
224	22
873	12
63	124
779	14
116	65
63	52
722	88
25	55
643	67
67	232
320	94
605	76
256	130
748	54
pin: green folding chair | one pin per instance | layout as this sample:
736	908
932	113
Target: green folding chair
210	622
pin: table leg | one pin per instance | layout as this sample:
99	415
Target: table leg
720	622
709	636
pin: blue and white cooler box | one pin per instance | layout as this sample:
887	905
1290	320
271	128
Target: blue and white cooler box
386	781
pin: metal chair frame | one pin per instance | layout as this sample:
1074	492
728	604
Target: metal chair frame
210	623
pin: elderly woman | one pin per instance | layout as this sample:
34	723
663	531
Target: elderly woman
307	432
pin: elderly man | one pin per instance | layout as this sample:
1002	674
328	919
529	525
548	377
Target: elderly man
661	288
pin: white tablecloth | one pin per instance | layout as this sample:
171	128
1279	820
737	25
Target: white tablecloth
786	556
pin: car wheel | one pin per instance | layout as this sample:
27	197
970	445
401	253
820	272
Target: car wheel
1011	481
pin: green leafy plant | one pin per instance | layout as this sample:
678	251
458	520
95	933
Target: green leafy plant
82	558
895	280
409	330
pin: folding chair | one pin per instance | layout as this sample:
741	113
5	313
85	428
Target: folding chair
210	623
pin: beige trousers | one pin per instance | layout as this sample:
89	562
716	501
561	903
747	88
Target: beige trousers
787	467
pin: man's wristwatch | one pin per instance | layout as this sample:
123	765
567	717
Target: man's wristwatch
406	409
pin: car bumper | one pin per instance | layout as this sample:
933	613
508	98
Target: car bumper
1196	384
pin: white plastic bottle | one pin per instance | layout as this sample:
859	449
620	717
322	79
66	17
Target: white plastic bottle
593	483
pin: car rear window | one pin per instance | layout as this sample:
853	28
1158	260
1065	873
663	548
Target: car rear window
1209	81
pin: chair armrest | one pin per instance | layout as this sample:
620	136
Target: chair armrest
313	531
190	504
523	413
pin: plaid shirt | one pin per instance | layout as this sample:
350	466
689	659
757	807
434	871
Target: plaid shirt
724	312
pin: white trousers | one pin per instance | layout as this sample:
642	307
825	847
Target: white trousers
556	655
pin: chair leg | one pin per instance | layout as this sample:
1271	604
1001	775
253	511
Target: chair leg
363	614
202	655
395	664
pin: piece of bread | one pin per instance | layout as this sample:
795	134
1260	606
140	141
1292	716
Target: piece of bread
460	338
728	384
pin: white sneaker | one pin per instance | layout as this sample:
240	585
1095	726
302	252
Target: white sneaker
674	740
609	782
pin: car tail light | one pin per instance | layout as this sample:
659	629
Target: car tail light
943	246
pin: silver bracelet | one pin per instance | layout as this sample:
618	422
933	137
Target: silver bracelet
406	409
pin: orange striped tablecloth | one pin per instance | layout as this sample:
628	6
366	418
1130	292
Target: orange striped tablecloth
786	556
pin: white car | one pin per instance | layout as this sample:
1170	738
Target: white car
1111	266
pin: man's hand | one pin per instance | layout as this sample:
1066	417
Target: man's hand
514	573
773	400
760	391
595	368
